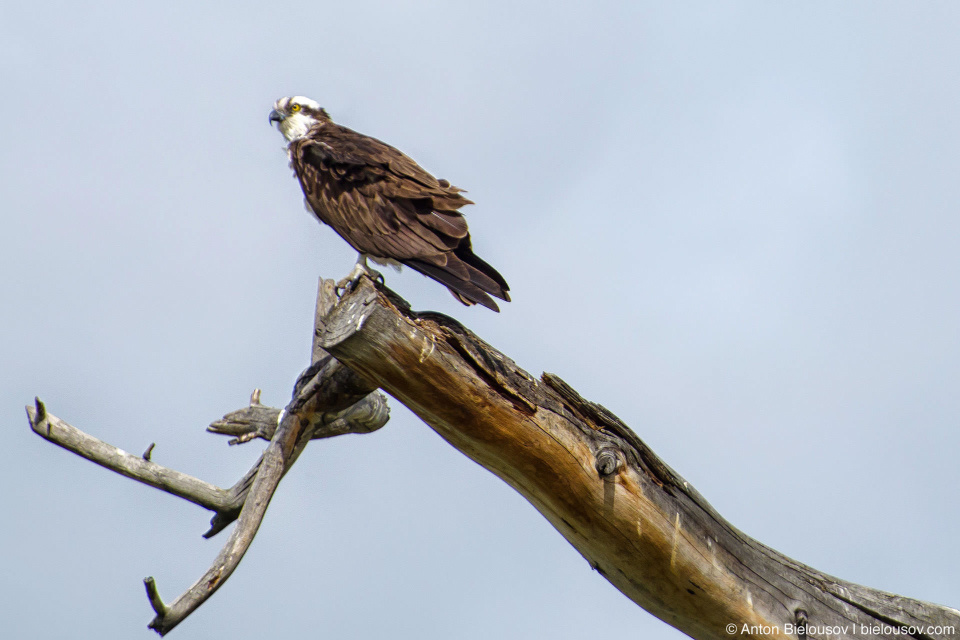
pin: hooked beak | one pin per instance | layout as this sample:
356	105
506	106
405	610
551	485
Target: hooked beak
276	116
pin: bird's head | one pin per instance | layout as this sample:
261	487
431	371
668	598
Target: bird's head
295	116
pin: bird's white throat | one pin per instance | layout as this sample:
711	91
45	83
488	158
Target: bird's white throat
296	125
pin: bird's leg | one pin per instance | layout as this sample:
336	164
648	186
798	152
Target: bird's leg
374	275
360	269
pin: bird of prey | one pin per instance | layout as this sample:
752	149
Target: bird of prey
383	203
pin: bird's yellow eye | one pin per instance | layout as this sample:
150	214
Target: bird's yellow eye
294	107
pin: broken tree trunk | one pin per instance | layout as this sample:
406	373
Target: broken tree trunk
635	520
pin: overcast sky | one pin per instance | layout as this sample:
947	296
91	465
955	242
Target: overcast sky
732	223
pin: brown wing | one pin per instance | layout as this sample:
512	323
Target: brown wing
385	205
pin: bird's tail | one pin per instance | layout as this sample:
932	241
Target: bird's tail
480	282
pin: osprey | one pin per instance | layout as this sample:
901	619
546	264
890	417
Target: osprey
383	203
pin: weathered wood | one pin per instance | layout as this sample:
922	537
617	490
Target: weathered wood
328	399
260	421
635	520
254	421
327	388
272	468
52	428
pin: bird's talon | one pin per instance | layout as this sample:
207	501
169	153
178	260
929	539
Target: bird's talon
345	285
359	270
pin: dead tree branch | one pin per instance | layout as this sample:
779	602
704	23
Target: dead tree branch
329	399
636	521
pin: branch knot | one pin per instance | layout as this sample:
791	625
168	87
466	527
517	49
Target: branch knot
609	461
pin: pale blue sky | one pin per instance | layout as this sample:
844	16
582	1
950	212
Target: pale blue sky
732	223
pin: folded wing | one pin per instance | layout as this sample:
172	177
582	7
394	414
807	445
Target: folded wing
385	205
